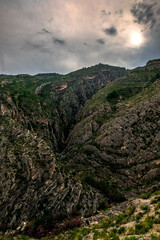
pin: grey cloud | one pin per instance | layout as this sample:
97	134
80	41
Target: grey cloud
158	12
101	41
112	31
45	31
104	13
119	12
58	41
40	46
50	20
33	45
2	69
144	14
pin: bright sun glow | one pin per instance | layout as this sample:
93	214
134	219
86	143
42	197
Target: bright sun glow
136	39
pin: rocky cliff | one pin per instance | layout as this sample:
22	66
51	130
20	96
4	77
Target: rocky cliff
77	141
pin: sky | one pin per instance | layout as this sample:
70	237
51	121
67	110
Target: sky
38	36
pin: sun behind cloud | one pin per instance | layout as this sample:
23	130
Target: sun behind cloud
136	39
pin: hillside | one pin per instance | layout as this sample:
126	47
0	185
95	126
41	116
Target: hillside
78	143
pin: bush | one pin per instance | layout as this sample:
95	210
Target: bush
3	228
131	231
122	93
155	237
70	224
121	230
146	195
155	199
130	210
122	218
144	226
51	224
139	216
113	235
145	208
157	207
106	223
131	238
157	193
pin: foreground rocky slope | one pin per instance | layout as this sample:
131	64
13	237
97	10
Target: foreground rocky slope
61	152
134	219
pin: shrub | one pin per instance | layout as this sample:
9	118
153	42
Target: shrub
157	193
144	226
155	237
131	238
145	208
75	212
157	219
51	224
3	228
40	232
139	216
155	199
131	231
121	230
122	218
157	207
70	224
130	210
106	223
113	235
146	195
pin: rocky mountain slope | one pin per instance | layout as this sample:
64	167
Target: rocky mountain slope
133	219
77	142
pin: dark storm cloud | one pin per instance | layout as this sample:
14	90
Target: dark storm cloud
112	31
100	41
143	13
58	41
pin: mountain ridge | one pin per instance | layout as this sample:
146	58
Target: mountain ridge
77	140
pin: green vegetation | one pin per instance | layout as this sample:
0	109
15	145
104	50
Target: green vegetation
144	226
133	88
146	195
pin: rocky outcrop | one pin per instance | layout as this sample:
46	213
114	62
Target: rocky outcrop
155	61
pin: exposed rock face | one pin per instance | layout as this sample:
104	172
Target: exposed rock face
155	61
60	87
31	183
59	150
128	146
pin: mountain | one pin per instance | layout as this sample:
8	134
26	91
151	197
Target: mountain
77	143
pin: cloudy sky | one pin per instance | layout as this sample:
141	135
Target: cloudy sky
65	35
